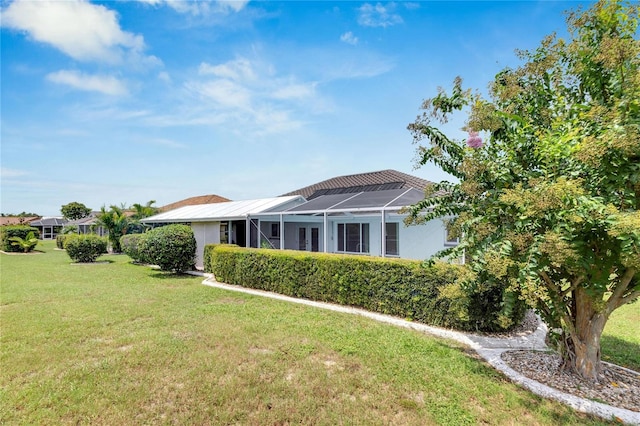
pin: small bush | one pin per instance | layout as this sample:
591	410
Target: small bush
85	248
60	240
131	245
20	231
429	294
171	247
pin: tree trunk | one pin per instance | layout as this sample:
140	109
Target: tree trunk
581	347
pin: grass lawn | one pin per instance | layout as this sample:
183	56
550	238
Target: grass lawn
621	337
117	343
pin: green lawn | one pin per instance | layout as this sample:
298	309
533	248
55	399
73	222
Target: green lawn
117	343
621	338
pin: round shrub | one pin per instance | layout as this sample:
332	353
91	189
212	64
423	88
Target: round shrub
171	247
131	245
85	248
20	231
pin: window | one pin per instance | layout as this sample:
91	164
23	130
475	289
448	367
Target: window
224	233
353	237
275	230
450	238
391	239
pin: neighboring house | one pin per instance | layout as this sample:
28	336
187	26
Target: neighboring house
355	214
49	227
89	225
17	220
194	201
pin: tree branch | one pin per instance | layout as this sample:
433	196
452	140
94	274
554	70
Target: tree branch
629	298
558	300
616	300
574	285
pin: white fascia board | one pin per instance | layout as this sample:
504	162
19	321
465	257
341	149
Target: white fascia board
355	210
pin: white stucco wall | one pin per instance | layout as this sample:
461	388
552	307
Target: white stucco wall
205	233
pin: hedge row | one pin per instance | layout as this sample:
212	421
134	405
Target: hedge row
9	231
432	295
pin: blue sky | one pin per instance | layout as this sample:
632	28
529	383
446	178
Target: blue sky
129	101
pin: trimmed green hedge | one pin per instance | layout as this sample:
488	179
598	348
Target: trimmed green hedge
208	254
429	294
85	248
171	247
9	231
131	245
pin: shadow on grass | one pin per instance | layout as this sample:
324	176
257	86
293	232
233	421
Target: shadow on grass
170	275
99	261
620	352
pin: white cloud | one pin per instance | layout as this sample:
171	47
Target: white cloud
295	91
235	5
349	38
11	173
84	31
246	94
240	69
201	7
224	93
107	85
164	76
378	15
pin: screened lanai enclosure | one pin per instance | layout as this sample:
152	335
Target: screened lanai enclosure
335	221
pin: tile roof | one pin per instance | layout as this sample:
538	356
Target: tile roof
17	220
371	181
50	221
194	201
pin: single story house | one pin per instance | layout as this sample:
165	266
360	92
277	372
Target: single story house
49	227
89	225
17	220
366	218
192	201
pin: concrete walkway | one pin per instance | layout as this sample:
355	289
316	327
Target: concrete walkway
489	348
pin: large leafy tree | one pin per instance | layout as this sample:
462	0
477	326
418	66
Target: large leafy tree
75	210
548	203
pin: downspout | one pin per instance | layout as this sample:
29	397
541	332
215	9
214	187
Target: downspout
326	232
247	237
281	232
383	240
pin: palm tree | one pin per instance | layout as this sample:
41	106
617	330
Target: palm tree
140	212
27	243
144	211
116	222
